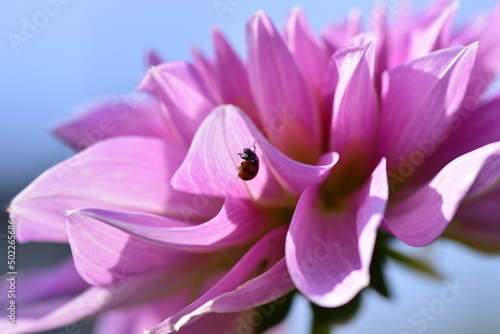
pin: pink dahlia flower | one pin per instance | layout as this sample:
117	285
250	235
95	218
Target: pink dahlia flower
355	132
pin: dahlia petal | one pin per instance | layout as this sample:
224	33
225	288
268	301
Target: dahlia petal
476	223
35	285
237	223
267	251
231	76
310	53
337	36
207	72
109	175
422	217
265	288
432	30
378	26
484	29
40	291
91	302
355	114
328	254
130	115
273	284
284	99
468	132
103	254
153	58
184	97
211	165
429	89
134	320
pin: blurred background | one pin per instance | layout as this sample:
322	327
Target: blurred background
89	49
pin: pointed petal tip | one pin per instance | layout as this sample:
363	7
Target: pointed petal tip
260	18
296	12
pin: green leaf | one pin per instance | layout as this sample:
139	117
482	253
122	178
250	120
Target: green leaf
274	312
414	263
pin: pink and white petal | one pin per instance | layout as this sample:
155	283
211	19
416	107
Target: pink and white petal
421	96
468	132
231	76
310	54
337	36
184	98
355	112
477	223
237	223
283	97
211	165
422	217
129	115
483	29
103	254
328	253
266	252
109	174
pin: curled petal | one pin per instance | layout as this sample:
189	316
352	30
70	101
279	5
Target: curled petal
420	97
238	222
104	254
183	95
266	252
129	115
422	217
355	113
211	165
284	99
328	253
109	175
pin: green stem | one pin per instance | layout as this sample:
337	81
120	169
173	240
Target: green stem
320	327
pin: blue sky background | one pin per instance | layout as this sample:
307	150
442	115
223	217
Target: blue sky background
90	49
